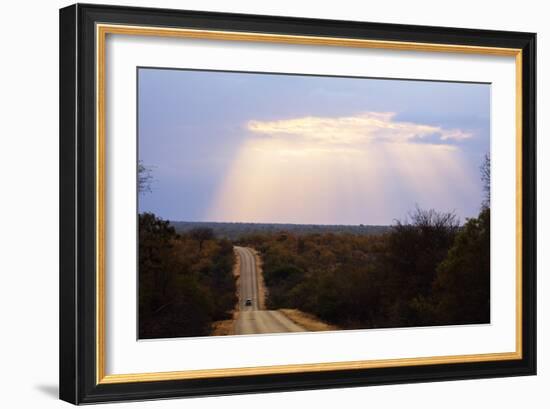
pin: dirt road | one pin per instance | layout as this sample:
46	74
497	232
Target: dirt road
251	318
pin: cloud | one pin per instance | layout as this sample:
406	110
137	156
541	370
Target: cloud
358	129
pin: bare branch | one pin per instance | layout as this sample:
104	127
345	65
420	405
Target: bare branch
145	178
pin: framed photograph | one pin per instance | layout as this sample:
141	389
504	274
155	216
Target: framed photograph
257	203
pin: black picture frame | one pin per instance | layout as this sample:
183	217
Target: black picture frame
78	313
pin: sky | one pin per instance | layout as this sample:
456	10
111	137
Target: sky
276	148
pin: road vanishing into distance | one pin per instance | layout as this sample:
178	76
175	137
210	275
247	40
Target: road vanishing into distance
251	318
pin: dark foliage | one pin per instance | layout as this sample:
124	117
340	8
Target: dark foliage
461	287
185	281
414	250
236	231
201	234
426	271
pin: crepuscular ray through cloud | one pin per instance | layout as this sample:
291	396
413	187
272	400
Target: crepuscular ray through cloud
349	169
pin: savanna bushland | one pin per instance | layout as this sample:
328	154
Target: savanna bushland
427	270
185	280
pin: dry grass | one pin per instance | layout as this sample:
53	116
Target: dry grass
308	321
237	275
237	266
262	291
225	327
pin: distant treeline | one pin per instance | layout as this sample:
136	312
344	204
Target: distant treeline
185	280
235	231
423	271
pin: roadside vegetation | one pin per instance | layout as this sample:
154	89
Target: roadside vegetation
426	271
185	280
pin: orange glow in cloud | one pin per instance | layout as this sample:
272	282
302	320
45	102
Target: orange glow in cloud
343	170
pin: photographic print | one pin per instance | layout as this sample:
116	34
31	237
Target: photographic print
278	203
257	203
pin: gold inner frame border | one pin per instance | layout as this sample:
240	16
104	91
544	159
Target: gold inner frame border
102	30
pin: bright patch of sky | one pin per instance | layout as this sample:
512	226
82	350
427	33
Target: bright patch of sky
276	148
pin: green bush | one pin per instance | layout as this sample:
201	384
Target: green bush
185	281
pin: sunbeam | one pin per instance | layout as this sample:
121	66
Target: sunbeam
348	170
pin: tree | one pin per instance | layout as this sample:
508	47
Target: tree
461	288
145	178
181	290
415	248
281	280
201	234
418	245
485	170
462	284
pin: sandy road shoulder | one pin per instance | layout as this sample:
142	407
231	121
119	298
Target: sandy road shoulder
307	321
